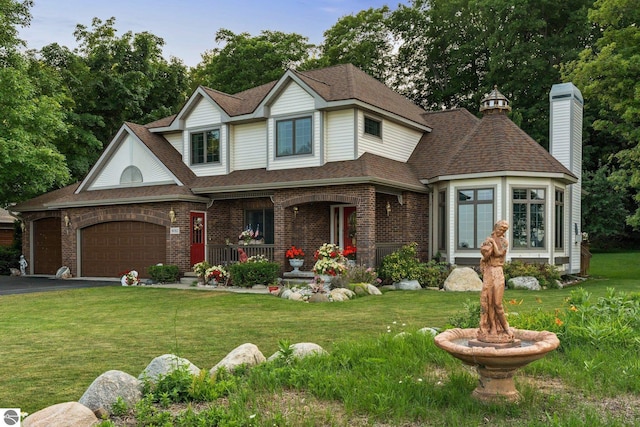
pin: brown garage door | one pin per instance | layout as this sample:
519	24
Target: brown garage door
47	249
110	248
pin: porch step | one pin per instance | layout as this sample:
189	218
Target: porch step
291	278
188	278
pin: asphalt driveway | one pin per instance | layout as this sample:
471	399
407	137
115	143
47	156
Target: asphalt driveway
28	284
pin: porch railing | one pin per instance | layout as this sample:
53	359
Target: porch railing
228	254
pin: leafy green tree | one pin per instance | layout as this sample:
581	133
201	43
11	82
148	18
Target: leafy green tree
603	206
454	51
29	163
245	61
608	75
364	40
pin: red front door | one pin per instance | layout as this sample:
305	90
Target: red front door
198	236
349	227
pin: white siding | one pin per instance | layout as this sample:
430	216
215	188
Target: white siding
176	140
292	100
560	146
249	146
339	135
204	114
131	152
397	143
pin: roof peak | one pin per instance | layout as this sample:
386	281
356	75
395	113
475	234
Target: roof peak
495	102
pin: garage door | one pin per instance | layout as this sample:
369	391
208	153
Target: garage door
47	249
110	248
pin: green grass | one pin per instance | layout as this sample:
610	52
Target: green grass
55	344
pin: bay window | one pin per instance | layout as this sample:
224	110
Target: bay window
475	217
528	223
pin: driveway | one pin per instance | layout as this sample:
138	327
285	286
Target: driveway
28	284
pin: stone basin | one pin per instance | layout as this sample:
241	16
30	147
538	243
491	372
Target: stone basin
497	366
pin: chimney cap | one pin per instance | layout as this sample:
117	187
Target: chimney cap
495	102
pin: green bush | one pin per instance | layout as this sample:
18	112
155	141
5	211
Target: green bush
9	258
164	273
247	274
547	274
402	264
434	274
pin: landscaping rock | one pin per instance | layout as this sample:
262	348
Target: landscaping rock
408	285
359	290
105	390
338	296
463	279
301	350
62	415
246	354
388	288
296	296
431	331
525	282
344	291
319	297
165	364
372	290
63	273
286	294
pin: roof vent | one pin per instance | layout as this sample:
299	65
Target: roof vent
494	103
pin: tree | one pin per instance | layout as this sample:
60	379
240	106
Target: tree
603	206
245	61
454	51
29	163
609	76
364	40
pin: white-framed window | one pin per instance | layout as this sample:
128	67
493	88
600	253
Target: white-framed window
475	216
559	219
294	136
131	175
373	127
205	147
442	220
528	222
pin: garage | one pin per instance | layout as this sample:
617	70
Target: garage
111	248
47	251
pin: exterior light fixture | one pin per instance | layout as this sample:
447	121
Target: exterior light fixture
67	221
295	211
388	208
172	216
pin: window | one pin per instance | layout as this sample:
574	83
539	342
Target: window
293	137
442	220
205	147
373	127
130	175
261	219
528	218
475	217
559	211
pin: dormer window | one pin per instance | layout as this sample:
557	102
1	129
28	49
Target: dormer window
131	175
205	147
294	136
373	127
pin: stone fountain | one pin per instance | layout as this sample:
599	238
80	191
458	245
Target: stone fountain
496	349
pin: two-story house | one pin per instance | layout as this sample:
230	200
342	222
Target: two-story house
328	155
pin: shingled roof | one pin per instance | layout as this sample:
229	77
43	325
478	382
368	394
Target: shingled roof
463	145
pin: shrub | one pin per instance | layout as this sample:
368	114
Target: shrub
361	274
402	264
247	274
9	258
435	273
547	274
164	273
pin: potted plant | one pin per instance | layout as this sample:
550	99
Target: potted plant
296	257
329	262
350	253
200	269
216	274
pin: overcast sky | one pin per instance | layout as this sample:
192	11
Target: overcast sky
188	27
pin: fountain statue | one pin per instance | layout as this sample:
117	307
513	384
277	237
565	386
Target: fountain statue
495	349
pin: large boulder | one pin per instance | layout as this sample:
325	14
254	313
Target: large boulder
62	415
164	365
245	354
344	291
373	290
105	390
408	285
301	350
525	282
463	279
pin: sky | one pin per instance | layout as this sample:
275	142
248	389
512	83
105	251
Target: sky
188	27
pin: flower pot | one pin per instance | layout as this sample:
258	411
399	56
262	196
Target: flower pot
351	263
296	263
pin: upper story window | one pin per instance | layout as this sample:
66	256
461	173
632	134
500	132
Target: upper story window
373	127
475	217
528	217
205	147
294	136
130	175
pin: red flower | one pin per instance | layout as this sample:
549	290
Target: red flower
350	252
294	252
